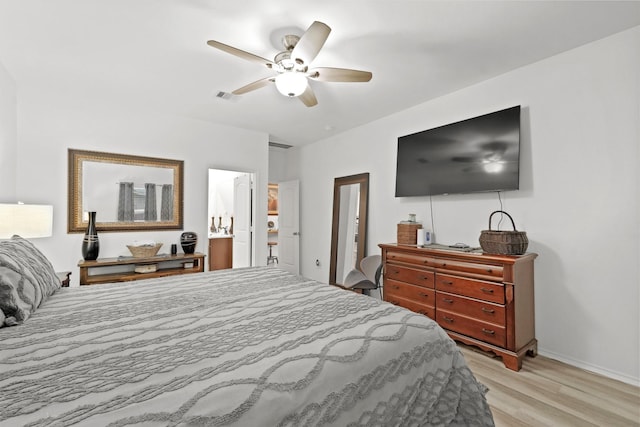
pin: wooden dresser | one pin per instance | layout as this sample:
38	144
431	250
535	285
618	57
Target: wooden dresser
479	299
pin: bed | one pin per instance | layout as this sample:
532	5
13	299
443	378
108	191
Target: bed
247	347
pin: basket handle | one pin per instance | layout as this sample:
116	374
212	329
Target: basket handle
495	212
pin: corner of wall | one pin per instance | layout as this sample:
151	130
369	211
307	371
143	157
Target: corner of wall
8	135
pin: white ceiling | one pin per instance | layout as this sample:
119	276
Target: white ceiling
152	54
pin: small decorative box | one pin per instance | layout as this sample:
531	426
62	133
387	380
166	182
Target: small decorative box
407	232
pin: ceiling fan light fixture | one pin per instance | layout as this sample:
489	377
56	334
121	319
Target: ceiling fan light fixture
291	83
493	166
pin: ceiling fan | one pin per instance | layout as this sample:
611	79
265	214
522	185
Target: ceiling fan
292	65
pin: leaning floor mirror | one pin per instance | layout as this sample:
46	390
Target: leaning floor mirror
128	193
349	230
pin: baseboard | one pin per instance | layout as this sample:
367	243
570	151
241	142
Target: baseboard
591	368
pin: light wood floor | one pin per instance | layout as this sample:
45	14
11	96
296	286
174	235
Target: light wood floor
546	392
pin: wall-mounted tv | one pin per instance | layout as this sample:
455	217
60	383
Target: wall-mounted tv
475	155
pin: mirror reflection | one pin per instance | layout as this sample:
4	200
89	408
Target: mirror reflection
348	237
347	250
127	192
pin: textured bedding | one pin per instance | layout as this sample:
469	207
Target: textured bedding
248	347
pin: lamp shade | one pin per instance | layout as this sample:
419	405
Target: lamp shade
28	221
291	83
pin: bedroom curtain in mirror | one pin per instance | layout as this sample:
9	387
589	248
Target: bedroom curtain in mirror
150	210
166	203
125	202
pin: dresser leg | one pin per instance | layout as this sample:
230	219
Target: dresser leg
513	361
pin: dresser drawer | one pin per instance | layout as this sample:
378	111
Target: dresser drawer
410	275
410	258
479	289
426	310
483	331
482	271
481	310
419	294
478	269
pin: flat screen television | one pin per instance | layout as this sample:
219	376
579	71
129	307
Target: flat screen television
480	154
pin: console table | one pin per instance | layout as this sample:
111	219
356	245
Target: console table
122	269
480	299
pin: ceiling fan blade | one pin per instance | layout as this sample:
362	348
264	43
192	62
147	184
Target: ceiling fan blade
253	86
325	74
241	53
308	97
310	43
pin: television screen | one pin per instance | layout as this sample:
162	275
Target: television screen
474	155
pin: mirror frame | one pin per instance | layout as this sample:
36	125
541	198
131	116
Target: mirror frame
76	160
363	180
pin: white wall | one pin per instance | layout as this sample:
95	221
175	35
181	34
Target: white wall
578	200
46	131
8	137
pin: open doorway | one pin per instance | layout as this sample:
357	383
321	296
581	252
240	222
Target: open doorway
231	207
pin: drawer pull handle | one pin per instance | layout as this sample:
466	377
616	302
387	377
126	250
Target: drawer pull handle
487	290
446	282
394	302
488	310
488	331
447	300
395	287
422	294
447	319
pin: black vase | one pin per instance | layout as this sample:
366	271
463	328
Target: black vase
91	243
188	240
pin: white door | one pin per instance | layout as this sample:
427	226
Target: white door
289	226
242	221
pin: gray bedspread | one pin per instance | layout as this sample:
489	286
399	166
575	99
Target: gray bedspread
248	347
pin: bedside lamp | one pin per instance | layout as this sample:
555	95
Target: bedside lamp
27	221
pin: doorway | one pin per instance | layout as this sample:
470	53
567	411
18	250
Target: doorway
230	215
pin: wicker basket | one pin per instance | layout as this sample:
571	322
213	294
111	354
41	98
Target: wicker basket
407	233
144	250
503	242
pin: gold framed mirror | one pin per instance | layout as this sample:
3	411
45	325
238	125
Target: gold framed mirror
128	193
349	229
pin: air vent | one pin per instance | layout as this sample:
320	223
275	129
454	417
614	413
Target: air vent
223	95
279	145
